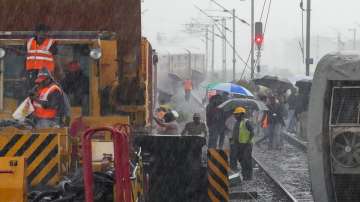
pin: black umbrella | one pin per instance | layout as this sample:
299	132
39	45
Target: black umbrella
249	104
304	83
274	82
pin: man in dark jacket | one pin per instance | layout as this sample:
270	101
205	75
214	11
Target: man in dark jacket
276	122
215	121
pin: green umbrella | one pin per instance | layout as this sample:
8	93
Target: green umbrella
211	85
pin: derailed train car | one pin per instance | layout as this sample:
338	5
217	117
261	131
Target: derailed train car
334	128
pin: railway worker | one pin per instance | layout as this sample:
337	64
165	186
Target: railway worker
168	126
48	101
242	136
188	88
195	127
40	53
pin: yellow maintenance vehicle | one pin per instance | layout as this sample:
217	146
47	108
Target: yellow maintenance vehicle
108	152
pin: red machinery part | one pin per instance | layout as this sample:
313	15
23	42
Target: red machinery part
121	163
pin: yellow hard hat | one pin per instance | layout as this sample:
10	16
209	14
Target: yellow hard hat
239	110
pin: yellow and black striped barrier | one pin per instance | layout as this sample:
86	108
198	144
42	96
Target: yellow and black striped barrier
42	154
218	177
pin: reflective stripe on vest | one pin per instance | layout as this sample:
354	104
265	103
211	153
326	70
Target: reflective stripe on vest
244	133
41	112
39	56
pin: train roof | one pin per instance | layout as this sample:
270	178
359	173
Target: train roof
339	66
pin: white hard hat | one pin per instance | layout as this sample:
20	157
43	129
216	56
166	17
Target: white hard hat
175	113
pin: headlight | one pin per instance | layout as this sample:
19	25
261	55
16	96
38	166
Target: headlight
95	53
2	53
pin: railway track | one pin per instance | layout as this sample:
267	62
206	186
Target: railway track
294	141
288	167
287	195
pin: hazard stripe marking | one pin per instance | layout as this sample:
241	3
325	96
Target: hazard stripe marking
215	172
212	197
218	188
41	152
27	144
40	148
43	163
44	171
18	145
216	163
218	179
10	144
50	174
218	157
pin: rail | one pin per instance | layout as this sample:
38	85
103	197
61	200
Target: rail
295	141
276	181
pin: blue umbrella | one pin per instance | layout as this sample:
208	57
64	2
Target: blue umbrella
232	88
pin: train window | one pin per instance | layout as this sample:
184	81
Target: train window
14	73
345	105
73	63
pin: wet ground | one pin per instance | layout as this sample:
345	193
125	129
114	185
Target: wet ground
263	185
289	166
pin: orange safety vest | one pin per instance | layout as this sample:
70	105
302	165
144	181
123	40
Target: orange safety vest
39	56
188	85
43	93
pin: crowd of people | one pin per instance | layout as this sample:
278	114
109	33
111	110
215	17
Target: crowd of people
237	128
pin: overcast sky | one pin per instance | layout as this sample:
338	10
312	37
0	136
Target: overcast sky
164	24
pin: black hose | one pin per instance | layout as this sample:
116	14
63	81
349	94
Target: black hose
69	198
54	194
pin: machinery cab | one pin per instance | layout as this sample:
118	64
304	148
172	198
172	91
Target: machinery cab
105	89
104	95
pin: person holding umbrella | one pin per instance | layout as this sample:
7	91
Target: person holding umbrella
215	122
242	136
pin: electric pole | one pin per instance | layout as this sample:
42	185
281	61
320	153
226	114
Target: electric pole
189	63
308	60
212	50
224	48
354	39
252	39
206	50
234	49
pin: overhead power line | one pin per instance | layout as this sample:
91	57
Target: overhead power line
219	29
228	11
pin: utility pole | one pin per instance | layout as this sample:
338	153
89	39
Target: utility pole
224	48
308	60
234	49
206	49
169	61
252	39
189	63
354	39
212	50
